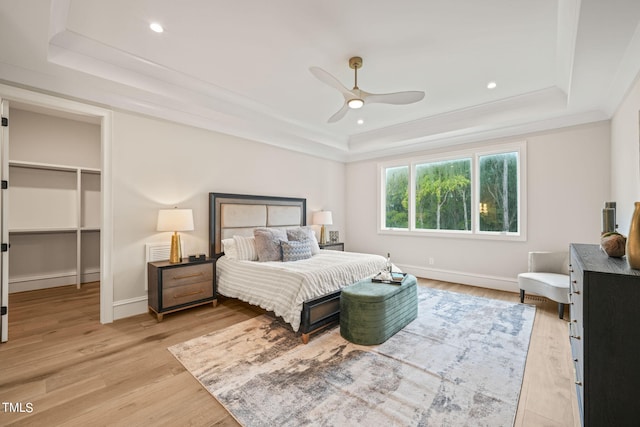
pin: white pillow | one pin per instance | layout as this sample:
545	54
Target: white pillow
229	248
246	248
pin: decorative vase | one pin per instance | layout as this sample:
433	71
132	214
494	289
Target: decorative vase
613	244
633	239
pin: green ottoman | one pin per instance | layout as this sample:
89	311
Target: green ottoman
371	312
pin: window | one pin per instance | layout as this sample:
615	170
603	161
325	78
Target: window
396	197
475	193
443	195
498	184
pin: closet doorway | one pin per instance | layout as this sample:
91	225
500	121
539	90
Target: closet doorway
53	199
54	208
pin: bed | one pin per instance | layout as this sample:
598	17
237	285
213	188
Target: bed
304	292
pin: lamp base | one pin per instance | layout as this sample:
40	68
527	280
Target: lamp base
323	235
176	254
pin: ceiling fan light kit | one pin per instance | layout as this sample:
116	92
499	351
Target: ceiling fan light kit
357	98
355	103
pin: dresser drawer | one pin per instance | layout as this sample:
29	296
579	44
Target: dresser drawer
177	277
184	294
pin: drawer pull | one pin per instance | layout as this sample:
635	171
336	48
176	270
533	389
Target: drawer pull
571	334
188	294
188	276
576	292
575	374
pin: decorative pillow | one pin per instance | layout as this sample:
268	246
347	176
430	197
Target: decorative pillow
268	243
229	248
246	248
304	233
295	251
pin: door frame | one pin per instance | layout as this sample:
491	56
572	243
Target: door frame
4	235
105	116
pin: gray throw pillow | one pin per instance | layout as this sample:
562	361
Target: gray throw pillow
296	251
304	233
268	243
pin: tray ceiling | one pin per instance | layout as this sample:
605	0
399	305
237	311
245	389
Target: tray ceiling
242	67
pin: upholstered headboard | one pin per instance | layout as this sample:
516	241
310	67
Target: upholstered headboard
240	214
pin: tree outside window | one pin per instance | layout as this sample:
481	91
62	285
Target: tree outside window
443	195
499	192
397	197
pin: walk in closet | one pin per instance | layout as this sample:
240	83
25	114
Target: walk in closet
53	199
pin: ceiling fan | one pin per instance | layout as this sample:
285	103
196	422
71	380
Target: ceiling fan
356	97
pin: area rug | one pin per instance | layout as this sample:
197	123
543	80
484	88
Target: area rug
459	363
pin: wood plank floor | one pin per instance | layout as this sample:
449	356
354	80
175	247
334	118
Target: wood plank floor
73	371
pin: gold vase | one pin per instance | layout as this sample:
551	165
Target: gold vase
633	239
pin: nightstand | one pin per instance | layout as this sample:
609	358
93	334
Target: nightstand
332	246
174	287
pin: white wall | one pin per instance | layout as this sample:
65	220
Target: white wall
568	183
158	164
44	138
625	158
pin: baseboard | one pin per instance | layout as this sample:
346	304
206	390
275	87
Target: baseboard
130	307
33	283
507	284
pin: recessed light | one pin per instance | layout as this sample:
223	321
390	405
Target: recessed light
491	85
360	121
156	27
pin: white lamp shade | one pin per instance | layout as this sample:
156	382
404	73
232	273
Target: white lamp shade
175	220
322	218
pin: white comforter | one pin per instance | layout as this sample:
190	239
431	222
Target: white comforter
282	287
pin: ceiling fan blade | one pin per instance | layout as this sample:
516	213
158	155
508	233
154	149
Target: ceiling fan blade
327	78
397	98
340	114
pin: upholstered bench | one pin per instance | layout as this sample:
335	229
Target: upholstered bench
371	312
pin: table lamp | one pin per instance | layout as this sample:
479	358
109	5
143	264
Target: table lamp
175	220
322	218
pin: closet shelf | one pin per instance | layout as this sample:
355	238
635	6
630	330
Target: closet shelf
43	230
51	166
50	230
54	205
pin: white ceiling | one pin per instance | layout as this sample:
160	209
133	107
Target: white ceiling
242	67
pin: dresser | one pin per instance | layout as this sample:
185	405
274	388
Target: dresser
174	287
604	331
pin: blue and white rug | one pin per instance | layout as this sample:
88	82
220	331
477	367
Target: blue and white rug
459	363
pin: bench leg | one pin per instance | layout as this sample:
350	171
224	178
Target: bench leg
560	310
521	295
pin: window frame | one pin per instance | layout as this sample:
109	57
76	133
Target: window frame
471	153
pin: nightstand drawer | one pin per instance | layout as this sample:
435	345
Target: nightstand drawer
178	295
172	277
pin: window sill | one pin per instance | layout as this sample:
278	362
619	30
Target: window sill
454	234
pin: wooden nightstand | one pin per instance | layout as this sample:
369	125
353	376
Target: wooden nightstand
332	246
174	287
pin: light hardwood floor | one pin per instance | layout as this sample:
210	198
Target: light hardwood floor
74	371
